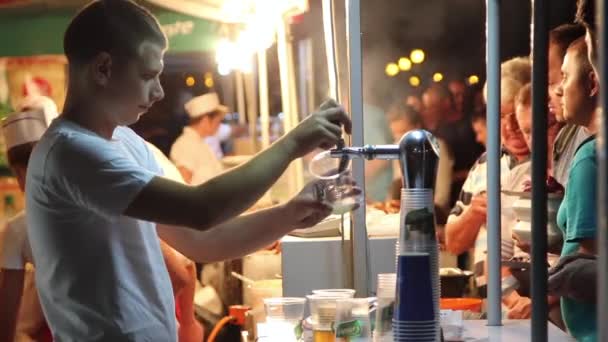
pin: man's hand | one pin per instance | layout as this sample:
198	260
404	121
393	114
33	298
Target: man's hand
312	205
521	309
321	129
308	207
521	244
574	276
478	209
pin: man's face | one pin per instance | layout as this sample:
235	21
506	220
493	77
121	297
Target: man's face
458	89
135	85
524	120
555	78
211	124
510	133
480	129
433	104
400	127
574	91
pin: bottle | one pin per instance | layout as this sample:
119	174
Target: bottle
10	209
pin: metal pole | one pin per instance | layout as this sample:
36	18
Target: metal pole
328	33
264	105
286	97
359	237
493	150
240	98
251	106
602	152
540	42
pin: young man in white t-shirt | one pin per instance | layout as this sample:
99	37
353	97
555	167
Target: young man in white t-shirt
95	201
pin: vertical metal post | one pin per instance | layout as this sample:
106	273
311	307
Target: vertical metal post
328	34
264	105
359	237
540	41
493	150
602	152
251	106
286	96
240	97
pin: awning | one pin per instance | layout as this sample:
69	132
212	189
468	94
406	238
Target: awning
40	32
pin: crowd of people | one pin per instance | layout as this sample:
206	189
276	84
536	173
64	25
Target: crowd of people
113	227
573	114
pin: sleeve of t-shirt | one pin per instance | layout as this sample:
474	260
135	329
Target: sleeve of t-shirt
581	208
95	174
181	155
11	248
465	196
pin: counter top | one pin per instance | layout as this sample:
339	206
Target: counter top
511	330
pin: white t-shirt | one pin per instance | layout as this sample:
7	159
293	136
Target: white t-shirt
512	177
16	254
100	274
191	152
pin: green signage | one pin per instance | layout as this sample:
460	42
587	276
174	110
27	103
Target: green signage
30	33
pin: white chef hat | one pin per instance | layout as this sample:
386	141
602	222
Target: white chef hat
26	126
39	102
204	104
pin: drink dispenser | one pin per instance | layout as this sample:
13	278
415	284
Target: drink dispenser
416	311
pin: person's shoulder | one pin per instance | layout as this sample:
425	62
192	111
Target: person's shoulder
126	133
586	151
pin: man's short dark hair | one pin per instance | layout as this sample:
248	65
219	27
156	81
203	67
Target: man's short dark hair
117	27
578	49
563	35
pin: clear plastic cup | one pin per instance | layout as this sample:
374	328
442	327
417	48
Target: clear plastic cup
323	310
333	292
352	321
337	188
387	287
290	309
284	315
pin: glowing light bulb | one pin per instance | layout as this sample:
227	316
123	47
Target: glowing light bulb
391	69
404	64
417	56
414	81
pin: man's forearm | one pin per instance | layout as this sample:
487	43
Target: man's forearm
460	234
232	239
215	201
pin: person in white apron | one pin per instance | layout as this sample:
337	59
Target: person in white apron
21	318
195	159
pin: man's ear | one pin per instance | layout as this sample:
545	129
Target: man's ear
101	68
594	84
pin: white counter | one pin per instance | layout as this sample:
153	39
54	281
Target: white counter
478	331
510	331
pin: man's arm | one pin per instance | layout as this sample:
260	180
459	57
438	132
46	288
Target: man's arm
461	232
247	233
221	198
11	289
177	267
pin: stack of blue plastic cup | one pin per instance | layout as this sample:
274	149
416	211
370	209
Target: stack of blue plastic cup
416	314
